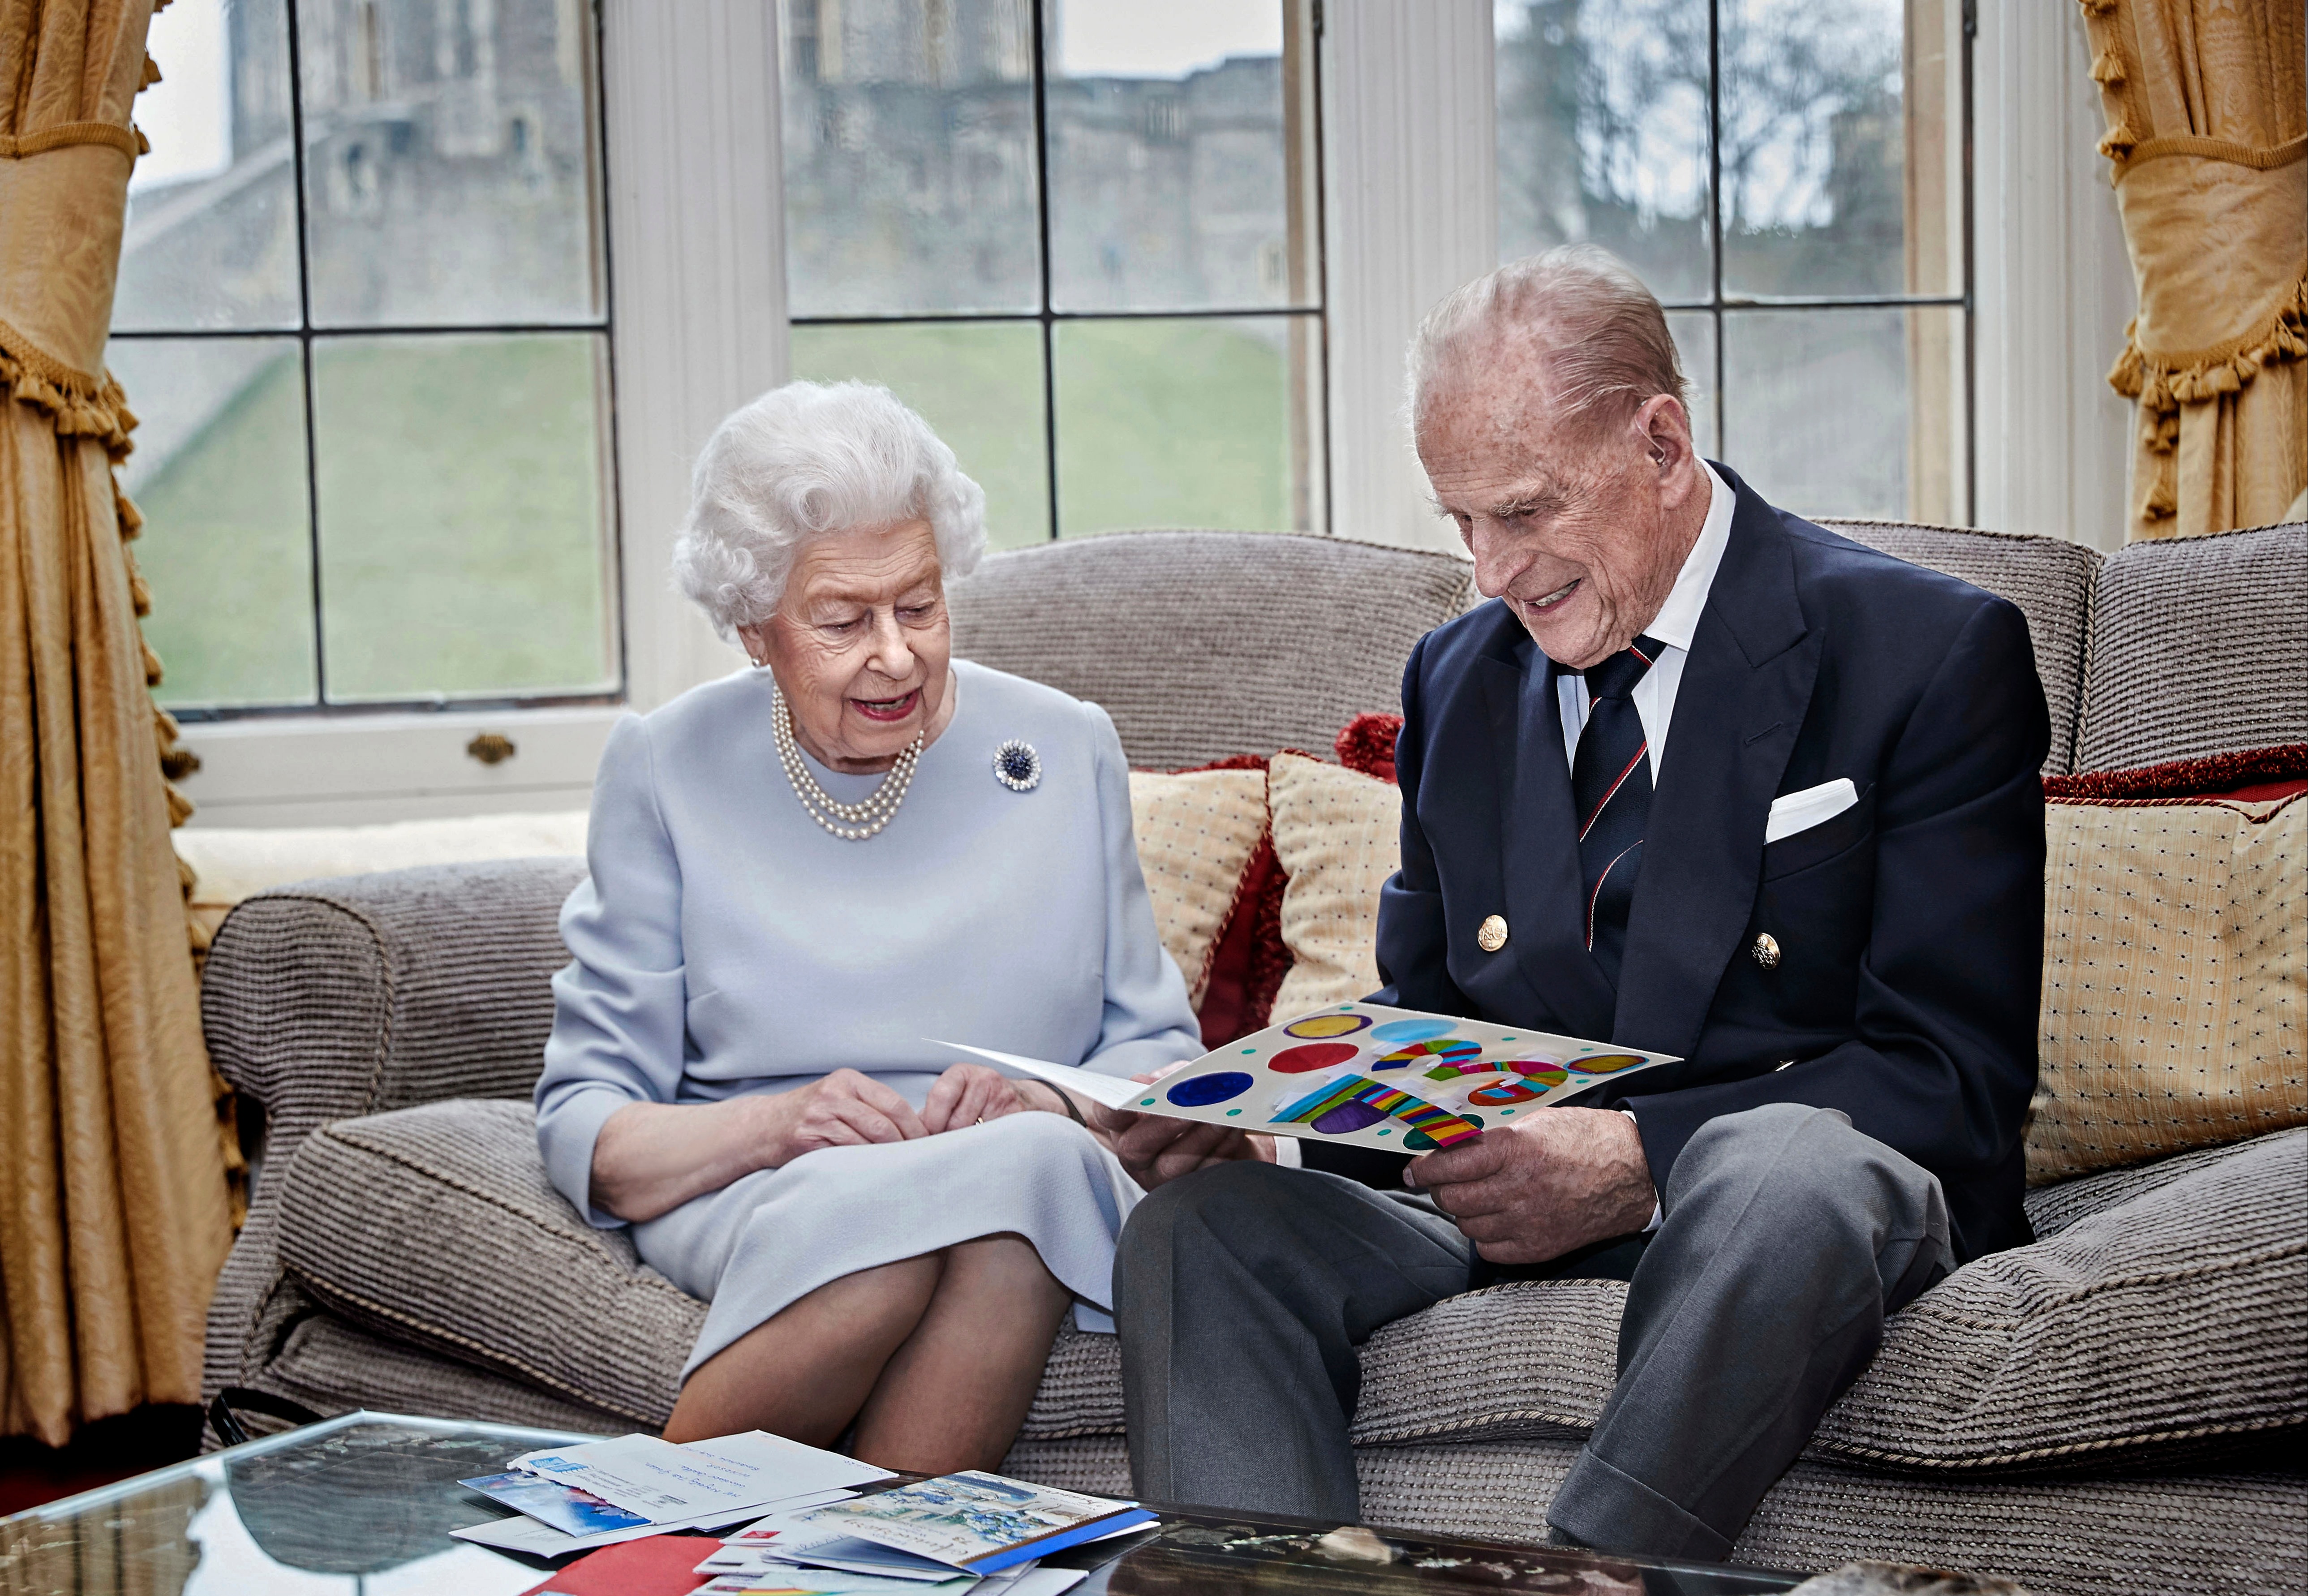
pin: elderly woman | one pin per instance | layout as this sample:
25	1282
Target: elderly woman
804	873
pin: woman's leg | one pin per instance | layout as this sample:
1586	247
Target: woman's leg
954	1394
804	1372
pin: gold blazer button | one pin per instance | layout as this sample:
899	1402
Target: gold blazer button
1766	950
1493	934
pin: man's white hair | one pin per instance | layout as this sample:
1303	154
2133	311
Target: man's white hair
1600	336
806	461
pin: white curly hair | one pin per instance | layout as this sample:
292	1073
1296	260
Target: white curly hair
804	460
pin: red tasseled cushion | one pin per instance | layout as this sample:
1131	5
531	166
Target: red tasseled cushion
2251	774
1367	744
1248	959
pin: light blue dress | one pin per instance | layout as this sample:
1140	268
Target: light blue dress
725	943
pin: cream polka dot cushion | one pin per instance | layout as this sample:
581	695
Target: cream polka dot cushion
1339	833
2175	980
1196	832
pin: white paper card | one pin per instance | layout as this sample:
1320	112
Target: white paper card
730	1474
1100	1089
1396	1080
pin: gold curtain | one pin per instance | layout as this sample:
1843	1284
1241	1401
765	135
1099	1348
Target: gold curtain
113	1213
2209	134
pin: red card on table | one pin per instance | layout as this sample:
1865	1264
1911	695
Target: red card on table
657	1566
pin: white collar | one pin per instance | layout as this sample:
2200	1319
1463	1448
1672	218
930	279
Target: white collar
1677	621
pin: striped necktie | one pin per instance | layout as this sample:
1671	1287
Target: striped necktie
1611	793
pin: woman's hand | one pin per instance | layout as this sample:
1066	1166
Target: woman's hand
842	1109
1156	1148
969	1092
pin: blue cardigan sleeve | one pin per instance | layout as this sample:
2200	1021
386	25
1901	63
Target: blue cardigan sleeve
1148	1020
618	1005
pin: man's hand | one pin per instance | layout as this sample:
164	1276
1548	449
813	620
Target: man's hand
1155	1148
1548	1185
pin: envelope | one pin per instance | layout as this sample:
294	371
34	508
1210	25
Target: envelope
1800	811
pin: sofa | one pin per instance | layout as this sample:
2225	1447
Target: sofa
2117	1406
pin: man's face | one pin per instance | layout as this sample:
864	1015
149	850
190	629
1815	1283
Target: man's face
1566	522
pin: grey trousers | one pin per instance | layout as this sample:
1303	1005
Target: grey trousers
1242	1293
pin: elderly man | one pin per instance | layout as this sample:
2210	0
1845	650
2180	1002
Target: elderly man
1701	778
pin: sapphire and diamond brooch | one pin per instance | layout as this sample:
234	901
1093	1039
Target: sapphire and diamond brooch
1017	766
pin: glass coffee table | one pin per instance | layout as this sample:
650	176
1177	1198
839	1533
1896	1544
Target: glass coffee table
364	1503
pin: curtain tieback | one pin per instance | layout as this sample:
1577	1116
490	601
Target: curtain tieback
129	141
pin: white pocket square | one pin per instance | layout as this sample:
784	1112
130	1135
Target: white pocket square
1801	811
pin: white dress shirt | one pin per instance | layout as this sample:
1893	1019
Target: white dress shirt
1674	625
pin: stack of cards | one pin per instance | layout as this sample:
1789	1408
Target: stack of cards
972	1531
572	1498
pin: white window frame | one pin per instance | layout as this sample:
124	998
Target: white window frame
696	237
1412	206
699	325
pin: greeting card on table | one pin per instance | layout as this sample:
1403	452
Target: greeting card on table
1398	1080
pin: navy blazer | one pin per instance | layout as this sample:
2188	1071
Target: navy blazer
1910	925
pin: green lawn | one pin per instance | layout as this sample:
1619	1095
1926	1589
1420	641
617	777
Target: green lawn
225	553
460	490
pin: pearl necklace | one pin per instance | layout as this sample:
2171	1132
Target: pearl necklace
852	823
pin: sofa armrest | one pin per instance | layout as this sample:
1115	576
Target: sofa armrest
359	994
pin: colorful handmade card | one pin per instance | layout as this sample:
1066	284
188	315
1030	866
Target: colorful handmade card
1394	1079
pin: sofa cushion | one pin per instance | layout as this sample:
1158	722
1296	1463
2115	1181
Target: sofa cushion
2147	1323
1337	832
2049	579
2175	980
435	1228
2198	645
1264	640
1198	833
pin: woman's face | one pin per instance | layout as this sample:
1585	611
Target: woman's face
860	644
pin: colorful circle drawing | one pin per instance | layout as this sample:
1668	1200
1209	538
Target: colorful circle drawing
1318	1027
1203	1091
1311	1055
1604	1063
1420	1142
1504	1093
1410	1030
1353	1115
1457	1050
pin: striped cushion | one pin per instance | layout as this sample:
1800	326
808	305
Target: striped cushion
1206	644
2199	646
2049	580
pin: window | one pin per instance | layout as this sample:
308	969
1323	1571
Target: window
1081	238
1791	180
363	313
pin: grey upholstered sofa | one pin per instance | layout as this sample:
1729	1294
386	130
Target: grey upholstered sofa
2118	1407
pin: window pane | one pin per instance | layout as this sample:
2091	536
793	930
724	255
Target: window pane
1178	423
448	169
1179	157
212	233
978	385
1694	331
1602	134
1823	191
464	544
218	472
1849	412
909	157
